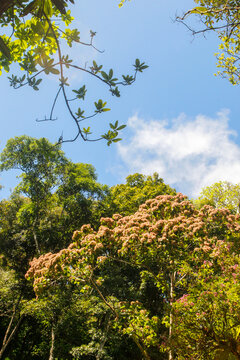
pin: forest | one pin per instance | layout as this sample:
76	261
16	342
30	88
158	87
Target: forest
130	271
136	270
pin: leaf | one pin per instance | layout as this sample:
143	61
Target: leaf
54	71
121	127
4	49
47	8
50	62
30	7
87	131
137	62
104	75
38	81
199	10
60	6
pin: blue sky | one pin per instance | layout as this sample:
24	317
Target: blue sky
183	122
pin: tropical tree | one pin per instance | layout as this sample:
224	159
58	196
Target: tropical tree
222	194
41	165
126	198
53	198
35	30
206	318
11	308
160	245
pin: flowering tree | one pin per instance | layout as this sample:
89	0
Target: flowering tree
207	317
161	242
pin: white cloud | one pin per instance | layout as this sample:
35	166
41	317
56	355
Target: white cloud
187	153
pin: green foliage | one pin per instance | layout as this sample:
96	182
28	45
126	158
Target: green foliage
176	249
40	161
207	322
35	32
159	280
221	16
220	195
126	198
53	198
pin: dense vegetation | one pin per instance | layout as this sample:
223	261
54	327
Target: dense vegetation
136	271
155	276
54	198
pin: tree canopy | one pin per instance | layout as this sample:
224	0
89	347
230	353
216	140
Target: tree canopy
132	271
222	194
167	242
148	283
126	198
221	16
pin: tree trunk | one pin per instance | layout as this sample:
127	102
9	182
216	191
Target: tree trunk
135	339
141	348
35	226
98	356
172	279
9	334
51	354
36	242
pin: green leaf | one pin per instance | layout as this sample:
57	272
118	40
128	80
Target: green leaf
4	49
54	71
60	5
104	75
87	130
29	8
80	113
137	62
199	10
38	81
121	127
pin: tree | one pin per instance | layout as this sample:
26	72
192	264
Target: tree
81	197
53	198
159	243
41	164
221	16
207	324
222	194
34	36
11	308
126	198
